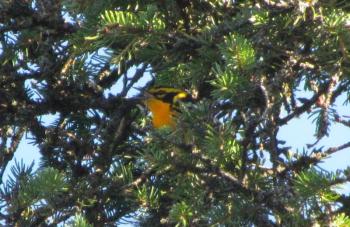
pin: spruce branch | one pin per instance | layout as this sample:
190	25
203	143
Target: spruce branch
7	153
306	105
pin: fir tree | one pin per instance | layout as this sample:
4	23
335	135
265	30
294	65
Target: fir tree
103	164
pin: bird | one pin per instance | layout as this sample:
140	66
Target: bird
163	103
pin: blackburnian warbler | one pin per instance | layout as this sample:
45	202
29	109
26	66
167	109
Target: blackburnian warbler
163	103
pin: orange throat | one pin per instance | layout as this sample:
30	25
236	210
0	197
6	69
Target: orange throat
162	114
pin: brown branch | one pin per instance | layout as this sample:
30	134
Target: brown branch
8	152
146	174
333	150
305	161
305	107
343	49
261	197
342	121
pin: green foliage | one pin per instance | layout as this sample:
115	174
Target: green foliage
238	53
152	154
341	220
148	197
228	83
80	221
20	173
137	30
259	17
122	172
181	214
232	78
221	147
312	183
146	20
29	191
252	68
46	184
335	19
